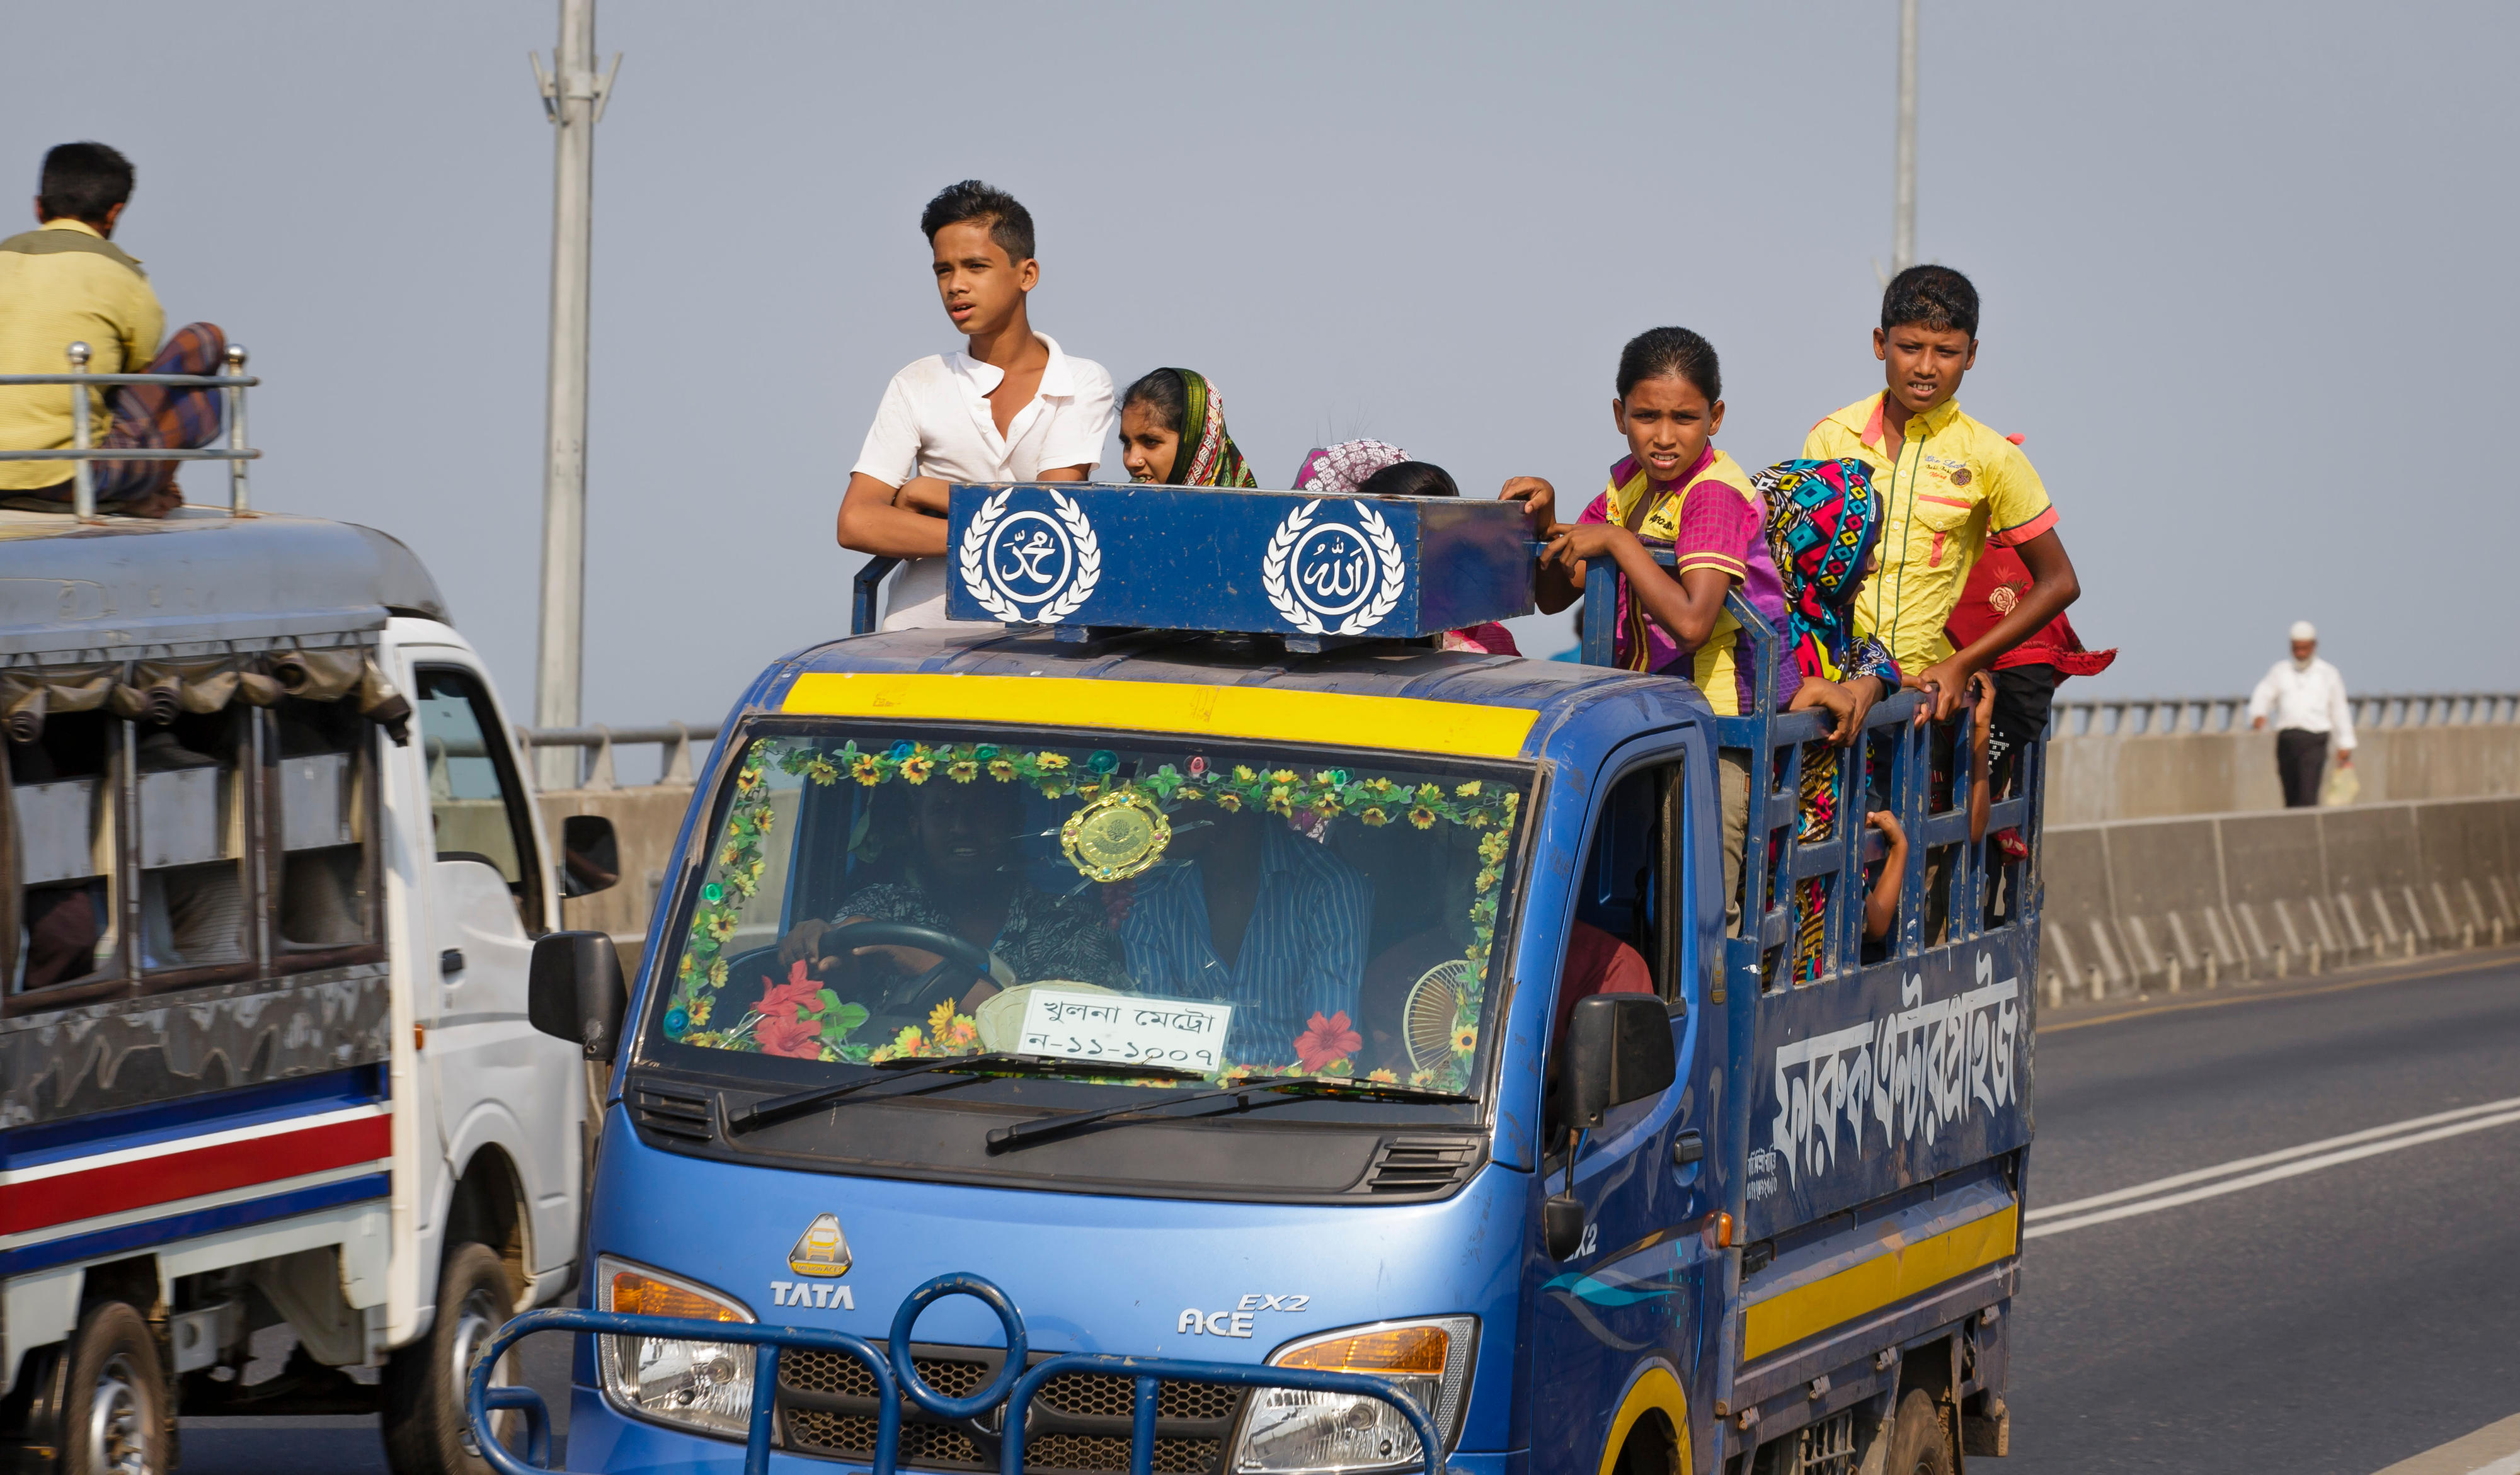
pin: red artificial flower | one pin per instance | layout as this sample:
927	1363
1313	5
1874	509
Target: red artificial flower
1326	1043
785	1034
780	1000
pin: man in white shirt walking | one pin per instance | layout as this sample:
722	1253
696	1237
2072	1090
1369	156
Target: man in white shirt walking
2305	697
1012	407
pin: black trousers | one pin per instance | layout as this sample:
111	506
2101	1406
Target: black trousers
2301	757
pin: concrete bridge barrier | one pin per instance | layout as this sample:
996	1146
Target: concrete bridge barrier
2168	905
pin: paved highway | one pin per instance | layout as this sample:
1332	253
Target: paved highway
2274	1229
2329	1278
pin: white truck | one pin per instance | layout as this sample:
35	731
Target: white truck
273	874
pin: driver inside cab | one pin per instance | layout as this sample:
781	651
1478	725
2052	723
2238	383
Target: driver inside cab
965	876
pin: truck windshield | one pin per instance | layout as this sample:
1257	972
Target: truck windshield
1224	910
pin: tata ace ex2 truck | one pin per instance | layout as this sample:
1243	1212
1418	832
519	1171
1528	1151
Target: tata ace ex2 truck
1193	1023
271	881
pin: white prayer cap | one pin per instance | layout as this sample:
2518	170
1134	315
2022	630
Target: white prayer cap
2304	630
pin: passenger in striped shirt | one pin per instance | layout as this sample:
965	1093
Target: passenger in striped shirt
1257	916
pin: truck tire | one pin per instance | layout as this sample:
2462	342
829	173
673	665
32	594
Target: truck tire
424	1429
1920	1440
114	1401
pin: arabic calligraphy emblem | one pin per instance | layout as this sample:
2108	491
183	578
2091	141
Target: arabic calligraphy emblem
1047	560
1328	577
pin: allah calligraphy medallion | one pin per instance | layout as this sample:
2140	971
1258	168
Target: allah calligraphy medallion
1117	836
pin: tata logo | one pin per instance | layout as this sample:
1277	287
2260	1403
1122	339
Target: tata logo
821	1253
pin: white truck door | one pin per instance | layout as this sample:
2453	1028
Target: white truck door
488	903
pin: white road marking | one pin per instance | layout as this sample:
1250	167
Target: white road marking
2291	1162
2244	1164
2471	1455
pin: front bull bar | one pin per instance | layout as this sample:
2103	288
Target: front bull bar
895	1377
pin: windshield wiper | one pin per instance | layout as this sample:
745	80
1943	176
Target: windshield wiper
1006	1139
797	1104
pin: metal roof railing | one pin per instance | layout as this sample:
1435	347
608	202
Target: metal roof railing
82	453
2168	716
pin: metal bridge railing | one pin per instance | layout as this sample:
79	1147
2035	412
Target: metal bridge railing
677	738
82	453
896	1378
2164	716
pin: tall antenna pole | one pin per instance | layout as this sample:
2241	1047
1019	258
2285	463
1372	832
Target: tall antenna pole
1903	211
573	96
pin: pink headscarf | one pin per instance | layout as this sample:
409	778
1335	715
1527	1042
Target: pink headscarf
1338	470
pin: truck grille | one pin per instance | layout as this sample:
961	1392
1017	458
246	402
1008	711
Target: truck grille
1080	1421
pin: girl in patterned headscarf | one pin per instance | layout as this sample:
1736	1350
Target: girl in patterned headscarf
1342	470
1823	518
1172	430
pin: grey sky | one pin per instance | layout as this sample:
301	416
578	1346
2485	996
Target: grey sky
2242	265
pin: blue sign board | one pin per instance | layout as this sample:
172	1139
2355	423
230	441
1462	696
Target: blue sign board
1171	558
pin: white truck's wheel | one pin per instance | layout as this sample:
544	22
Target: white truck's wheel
114	1404
424	1428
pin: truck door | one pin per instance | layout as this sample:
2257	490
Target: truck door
498	1078
1616	1325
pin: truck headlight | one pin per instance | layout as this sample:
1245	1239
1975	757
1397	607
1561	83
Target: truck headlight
1287	1431
706	1386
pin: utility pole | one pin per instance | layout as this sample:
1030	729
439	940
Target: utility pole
1903	210
573	96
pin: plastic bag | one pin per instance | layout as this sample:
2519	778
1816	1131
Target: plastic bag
2341	787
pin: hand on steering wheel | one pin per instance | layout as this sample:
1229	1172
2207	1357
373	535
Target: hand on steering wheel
958	963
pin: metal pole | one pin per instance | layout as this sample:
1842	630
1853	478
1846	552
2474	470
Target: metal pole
240	494
569	99
1903	212
83	471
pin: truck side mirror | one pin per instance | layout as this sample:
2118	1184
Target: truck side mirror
574	991
1618	1051
590	855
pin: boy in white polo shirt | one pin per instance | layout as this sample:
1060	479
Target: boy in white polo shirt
1012	407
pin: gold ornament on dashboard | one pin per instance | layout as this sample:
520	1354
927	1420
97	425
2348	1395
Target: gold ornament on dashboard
1117	836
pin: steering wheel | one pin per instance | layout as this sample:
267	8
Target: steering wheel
962	963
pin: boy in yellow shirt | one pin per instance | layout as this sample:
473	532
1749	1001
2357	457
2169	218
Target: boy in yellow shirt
1951	486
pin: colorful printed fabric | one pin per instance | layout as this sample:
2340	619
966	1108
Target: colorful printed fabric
1214	461
1338	470
1824	521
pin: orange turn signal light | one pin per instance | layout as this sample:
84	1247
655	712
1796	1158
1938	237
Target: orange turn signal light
1723	1228
641	1295
1412	1350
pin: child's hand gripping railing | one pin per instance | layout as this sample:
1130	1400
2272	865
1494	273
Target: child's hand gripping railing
82	453
896	1376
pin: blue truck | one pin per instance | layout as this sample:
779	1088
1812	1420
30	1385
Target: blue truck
1357	1071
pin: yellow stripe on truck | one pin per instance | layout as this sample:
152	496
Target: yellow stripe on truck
1264	712
1785	1319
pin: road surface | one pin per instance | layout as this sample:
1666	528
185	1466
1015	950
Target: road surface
2288	1301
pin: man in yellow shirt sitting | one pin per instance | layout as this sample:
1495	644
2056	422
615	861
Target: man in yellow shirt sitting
67	282
1948	485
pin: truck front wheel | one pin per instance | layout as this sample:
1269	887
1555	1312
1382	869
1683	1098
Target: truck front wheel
424	1428
114	1404
1921	1442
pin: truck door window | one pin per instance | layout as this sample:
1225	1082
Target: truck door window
476	803
1624	936
61	814
322	774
